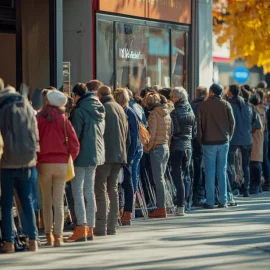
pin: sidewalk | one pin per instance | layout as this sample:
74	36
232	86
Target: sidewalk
233	238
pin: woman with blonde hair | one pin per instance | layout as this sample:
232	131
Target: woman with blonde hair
159	123
121	96
54	131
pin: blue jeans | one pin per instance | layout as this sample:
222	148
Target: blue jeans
136	169
22	180
159	159
215	165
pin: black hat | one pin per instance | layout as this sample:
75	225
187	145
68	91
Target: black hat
216	89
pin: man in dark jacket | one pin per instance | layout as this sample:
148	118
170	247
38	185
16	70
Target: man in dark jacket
19	130
115	137
197	154
215	122
246	120
184	130
88	120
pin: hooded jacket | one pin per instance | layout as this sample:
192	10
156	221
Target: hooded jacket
246	120
184	126
116	131
159	124
215	121
18	126
88	120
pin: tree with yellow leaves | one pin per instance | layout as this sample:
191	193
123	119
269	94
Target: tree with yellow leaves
245	24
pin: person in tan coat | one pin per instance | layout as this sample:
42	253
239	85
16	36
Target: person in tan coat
159	123
256	158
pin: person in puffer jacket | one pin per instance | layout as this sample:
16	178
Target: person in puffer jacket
184	130
159	123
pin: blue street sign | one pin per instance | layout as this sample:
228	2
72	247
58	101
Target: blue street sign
241	74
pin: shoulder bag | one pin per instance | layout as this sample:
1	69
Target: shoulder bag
70	167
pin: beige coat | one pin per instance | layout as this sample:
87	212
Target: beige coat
159	122
257	136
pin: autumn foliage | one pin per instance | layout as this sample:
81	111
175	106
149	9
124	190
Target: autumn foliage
246	25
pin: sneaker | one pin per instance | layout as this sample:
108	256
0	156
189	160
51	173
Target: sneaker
232	203
221	205
90	234
180	211
8	247
236	192
126	218
111	232
159	213
207	206
79	234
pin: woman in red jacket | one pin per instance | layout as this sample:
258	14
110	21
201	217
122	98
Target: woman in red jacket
52	162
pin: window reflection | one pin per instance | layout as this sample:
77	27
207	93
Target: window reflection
179	59
105	52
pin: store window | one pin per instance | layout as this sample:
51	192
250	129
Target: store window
137	55
179	59
105	65
131	55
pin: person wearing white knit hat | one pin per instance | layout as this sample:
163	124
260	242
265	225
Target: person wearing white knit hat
56	98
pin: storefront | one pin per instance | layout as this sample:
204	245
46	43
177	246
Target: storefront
143	43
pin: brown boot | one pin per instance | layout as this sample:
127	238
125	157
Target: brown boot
50	240
58	241
33	245
79	234
159	213
126	218
90	234
7	247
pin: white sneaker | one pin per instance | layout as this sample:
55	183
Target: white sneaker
180	211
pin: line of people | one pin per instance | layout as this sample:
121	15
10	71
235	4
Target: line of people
102	131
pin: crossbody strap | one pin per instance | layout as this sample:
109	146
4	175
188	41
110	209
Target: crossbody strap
66	136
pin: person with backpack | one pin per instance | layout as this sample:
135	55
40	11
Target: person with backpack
58	141
184	130
18	127
134	154
88	120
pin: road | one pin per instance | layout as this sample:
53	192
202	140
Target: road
233	238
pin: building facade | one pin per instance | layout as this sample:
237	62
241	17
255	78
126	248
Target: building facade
135	43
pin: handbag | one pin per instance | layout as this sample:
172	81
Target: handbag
70	165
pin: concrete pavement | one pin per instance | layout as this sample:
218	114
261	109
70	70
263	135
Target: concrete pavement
233	238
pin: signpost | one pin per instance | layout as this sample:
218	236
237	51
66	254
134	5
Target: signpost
241	74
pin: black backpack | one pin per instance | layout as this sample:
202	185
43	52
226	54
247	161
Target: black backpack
19	130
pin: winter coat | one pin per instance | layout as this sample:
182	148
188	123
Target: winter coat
246	120
215	121
159	124
258	136
134	132
184	127
116	131
53	148
88	120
